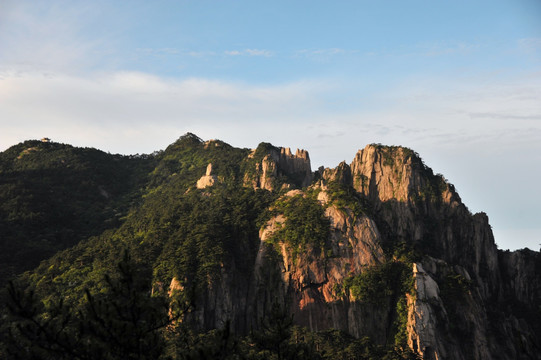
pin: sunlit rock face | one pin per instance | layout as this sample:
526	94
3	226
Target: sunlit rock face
207	180
279	163
461	302
379	247
311	279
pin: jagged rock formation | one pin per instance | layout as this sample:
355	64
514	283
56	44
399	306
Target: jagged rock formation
279	163
422	329
405	203
380	248
311	280
207	180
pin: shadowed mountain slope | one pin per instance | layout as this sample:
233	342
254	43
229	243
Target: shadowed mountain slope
381	248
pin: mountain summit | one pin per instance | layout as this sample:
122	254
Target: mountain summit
380	249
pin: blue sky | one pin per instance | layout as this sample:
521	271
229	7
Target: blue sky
459	82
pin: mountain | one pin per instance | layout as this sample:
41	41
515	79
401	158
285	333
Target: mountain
54	195
378	258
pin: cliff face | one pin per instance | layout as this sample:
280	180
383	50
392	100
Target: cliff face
418	205
461	305
309	281
280	166
380	248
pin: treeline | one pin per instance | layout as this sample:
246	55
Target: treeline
83	303
126	321
52	196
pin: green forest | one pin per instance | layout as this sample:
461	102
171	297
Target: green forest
104	231
106	256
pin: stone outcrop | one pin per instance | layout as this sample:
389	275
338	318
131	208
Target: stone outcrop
279	164
311	280
207	180
423	336
392	253
341	174
449	318
466	292
440	318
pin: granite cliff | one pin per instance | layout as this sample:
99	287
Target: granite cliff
380	248
468	299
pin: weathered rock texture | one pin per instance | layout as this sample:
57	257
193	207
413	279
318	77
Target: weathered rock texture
280	166
469	300
206	180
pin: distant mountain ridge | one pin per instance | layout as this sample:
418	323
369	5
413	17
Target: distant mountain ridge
380	248
54	195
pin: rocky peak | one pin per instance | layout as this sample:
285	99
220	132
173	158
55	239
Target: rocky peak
277	164
386	172
463	299
403	190
285	151
341	174
296	166
209	170
459	274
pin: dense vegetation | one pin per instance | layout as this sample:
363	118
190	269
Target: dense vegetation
83	302
305	224
177	230
124	321
115	231
385	284
54	195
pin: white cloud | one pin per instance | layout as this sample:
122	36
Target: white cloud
249	52
530	44
483	133
117	101
331	51
258	52
200	53
325	53
49	36
416	112
160	51
443	48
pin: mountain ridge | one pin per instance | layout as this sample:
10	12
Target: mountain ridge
380	247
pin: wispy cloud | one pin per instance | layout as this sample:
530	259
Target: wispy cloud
530	45
160	51
199	54
417	112
35	104
49	36
324	53
504	116
249	52
331	51
330	135
447	48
